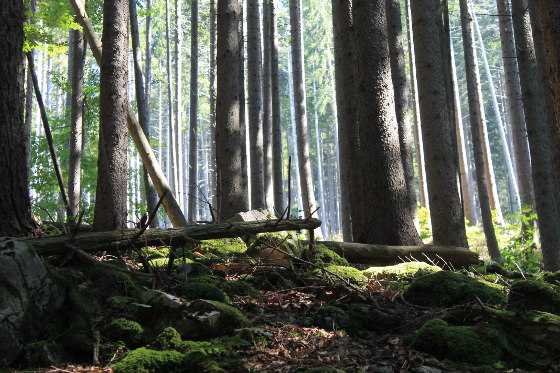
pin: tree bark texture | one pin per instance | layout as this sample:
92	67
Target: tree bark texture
212	99
385	198
477	121
296	43
15	204
193	130
178	144
267	108
232	196
539	146
441	170
171	133
348	129
255	86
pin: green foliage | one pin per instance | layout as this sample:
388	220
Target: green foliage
143	360
125	330
424	224
201	290
168	339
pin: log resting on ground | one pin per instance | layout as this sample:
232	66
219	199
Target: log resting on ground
111	241
382	255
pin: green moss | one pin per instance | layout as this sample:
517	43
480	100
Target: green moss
208	279
168	339
201	290
348	273
406	270
239	287
232	318
143	360
324	256
457	343
125	330
445	289
534	295
552	278
282	240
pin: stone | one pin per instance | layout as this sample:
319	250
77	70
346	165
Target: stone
253	215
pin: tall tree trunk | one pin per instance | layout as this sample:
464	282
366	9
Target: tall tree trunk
277	165
29	95
76	123
543	178
390	219
212	94
172	169
297	166
110	202
193	144
447	218
15	205
267	109
232	196
396	51
477	121
178	145
255	81
143	109
300	108
515	106
416	125
320	189
243	109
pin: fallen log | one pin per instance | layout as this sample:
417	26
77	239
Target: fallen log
382	255
111	241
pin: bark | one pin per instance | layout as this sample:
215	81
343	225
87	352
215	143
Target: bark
318	147
142	103
119	240
477	122
110	200
295	154
76	123
243	109
15	204
515	106
178	145
348	129
396	51
212	94
171	133
389	219
193	144
543	178
255	82
267	109
277	165
296	43
232	196
29	95
441	170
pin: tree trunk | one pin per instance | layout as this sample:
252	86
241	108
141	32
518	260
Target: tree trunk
515	107
76	124
296	43
296	190
320	189
15	204
396	51
212	74
255	82
277	165
110	200
232	196
193	144
390	220
447	218
477	121
267	109
543	178
178	145
143	109
348	130
172	169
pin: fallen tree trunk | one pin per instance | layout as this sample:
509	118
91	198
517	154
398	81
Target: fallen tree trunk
382	255
111	241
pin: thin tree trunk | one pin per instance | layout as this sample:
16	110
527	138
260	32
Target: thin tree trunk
193	144
447	217
543	178
277	165
212	74
28	121
296	174
255	81
320	189
243	110
178	145
172	169
477	121
267	109
300	107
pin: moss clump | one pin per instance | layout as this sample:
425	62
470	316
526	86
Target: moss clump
201	290
168	339
445	289
128	331
232	318
282	240
332	318
207	279
225	247
143	360
239	287
534	295
552	278
457	343
324	256
348	273
406	270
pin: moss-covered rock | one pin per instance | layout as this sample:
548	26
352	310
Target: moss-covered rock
332	318
168	339
445	289
324	256
534	295
239	287
128	331
143	360
269	246
42	354
406	270
348	273
225	247
201	290
457	343
552	278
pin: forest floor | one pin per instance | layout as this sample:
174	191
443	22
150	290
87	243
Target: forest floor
302	319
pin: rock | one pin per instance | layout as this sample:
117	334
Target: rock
381	369
427	369
26	294
534	295
42	354
253	215
160	299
